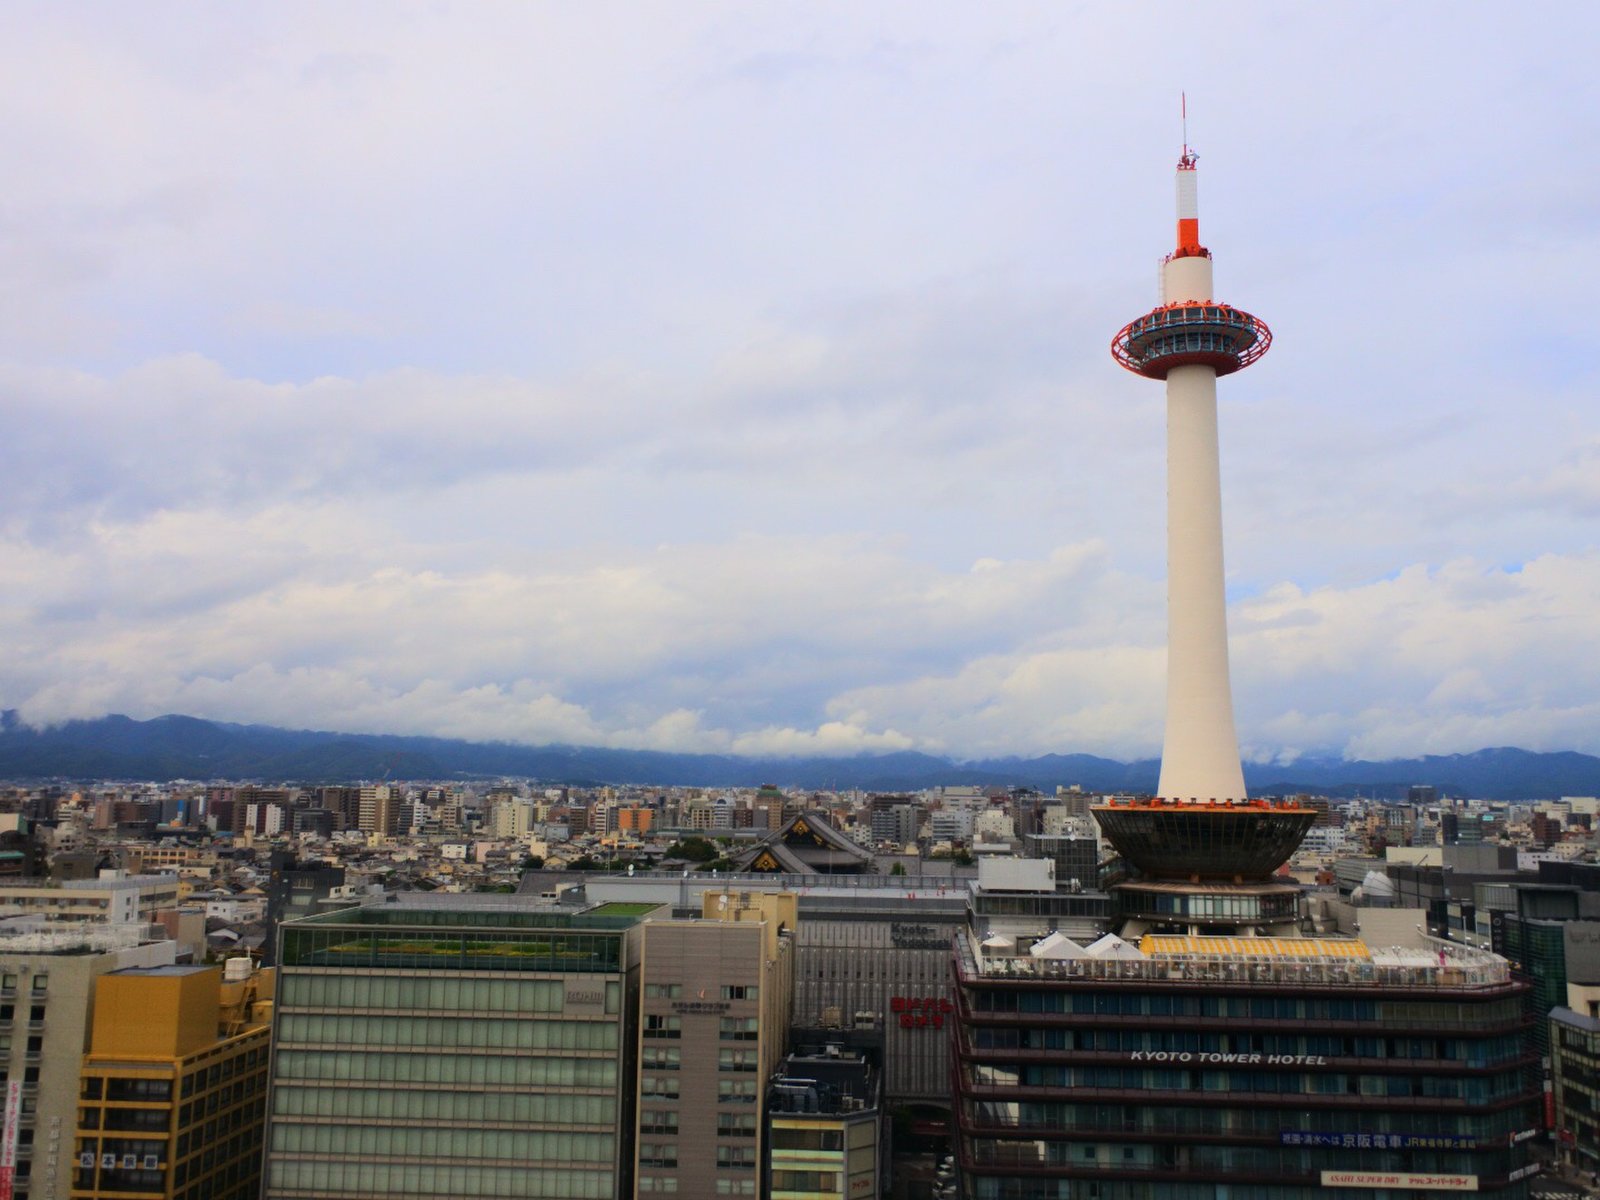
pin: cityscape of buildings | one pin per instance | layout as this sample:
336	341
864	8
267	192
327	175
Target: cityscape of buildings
221	990
709	992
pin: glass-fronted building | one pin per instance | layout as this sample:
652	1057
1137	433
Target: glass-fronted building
431	1047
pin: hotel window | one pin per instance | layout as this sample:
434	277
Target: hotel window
658	1154
658	1087
663	1027
662	1058
736	1158
807	1139
740	991
740	1029
653	1120
663	991
805	1181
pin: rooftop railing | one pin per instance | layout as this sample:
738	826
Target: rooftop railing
1453	966
787	882
35	883
88	937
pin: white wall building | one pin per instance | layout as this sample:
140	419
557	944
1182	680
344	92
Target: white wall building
994	825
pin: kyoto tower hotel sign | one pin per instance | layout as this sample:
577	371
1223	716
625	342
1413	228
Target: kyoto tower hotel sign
1189	341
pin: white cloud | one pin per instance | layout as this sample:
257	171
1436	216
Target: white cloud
769	645
735	377
744	633
1431	661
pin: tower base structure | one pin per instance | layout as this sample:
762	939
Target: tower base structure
1162	906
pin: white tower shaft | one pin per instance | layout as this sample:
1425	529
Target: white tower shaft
1200	759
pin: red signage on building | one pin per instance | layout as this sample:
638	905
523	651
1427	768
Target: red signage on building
921	1012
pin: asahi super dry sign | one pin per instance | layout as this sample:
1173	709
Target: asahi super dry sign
1388	1180
8	1139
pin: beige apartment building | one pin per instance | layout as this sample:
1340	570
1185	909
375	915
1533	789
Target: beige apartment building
713	1027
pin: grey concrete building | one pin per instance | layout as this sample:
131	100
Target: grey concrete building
894	819
1076	858
870	951
1575	1083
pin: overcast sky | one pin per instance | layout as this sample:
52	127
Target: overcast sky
734	376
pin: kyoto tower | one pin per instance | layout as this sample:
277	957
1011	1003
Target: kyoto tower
1190	340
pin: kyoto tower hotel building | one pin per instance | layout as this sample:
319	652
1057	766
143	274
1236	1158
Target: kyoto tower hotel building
1216	1043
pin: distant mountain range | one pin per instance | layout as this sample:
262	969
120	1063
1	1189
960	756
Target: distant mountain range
177	747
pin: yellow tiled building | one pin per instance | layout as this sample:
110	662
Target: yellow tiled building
174	1085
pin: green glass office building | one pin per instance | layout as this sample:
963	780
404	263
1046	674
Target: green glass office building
454	1048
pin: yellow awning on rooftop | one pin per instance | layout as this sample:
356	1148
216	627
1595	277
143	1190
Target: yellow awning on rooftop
1253	947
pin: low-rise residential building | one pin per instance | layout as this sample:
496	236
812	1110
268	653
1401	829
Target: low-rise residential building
115	898
825	1128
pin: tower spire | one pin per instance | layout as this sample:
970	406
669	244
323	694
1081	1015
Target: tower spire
1188	198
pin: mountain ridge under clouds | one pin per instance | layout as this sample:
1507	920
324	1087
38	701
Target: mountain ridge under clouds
181	747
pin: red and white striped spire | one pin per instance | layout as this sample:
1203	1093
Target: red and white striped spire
1188	198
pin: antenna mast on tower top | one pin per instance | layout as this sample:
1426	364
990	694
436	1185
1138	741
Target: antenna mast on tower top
1187	161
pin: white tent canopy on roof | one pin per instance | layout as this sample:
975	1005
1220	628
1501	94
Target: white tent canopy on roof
1056	945
999	941
1111	946
1376	883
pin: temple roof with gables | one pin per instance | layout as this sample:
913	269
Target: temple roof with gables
807	845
